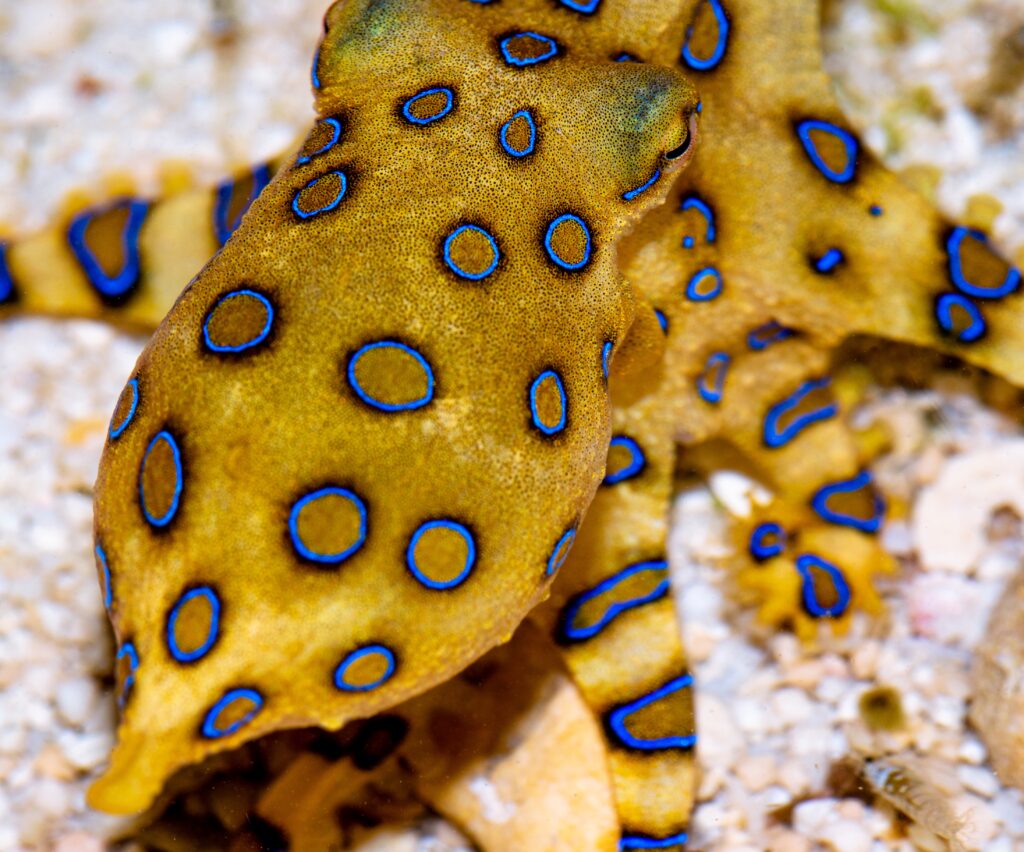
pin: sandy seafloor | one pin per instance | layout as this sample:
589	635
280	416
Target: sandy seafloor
121	86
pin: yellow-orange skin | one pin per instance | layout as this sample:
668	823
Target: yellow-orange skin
257	431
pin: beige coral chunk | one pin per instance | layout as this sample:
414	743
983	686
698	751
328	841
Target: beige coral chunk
952	513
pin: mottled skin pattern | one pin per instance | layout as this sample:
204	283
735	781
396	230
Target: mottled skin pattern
812	237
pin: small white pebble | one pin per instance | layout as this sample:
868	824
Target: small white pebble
979	779
76	698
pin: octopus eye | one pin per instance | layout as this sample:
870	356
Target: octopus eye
689	132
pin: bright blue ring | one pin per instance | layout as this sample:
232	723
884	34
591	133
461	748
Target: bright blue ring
587	7
117	431
637	460
327	207
773	437
221	226
118	285
167	516
523	63
765	335
410	554
389	406
560	425
577	634
875	210
127	650
454	267
554	560
327	558
211	637
323	149
567	217
210	729
108	590
633	193
626	57
694	295
315	71
343	666
758	549
636	841
723	37
862	480
814	609
716	369
606	356
662	320
694	203
617	719
849	143
829	261
502	137
441	90
257	340
6	279
944	314
956	269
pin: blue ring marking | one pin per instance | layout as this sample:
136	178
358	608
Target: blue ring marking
410	554
323	149
587	7
849	141
759	548
639	841
956	270
210	728
723	38
804	563
116	431
502	136
221	226
472	276
172	510
633	193
692	291
862	480
127	650
241	347
440	90
211	636
626	57
693	203
560	425
7	289
343	666
775	438
944	314
829	261
315	72
327	558
523	63
637	460
412	405
765	335
662	320
557	558
700	107
327	207
875	210
617	719
119	285
568	629
715	370
567	217
606	356
108	585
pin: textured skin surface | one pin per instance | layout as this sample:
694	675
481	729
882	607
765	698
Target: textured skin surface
772	232
374	377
